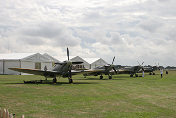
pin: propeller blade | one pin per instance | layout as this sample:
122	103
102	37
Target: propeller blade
68	53
113	60
142	63
77	62
114	70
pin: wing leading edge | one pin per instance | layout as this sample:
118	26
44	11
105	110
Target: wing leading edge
36	72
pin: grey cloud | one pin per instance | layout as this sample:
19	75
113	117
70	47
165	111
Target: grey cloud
47	33
151	25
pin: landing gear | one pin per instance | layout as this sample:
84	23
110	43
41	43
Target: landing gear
110	76
131	75
151	73
54	80
136	75
70	76
45	78
101	77
70	80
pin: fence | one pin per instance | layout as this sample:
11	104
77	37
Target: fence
4	113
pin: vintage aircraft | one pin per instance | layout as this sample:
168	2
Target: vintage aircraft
100	70
61	69
151	69
131	70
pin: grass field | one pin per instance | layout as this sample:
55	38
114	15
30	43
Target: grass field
148	97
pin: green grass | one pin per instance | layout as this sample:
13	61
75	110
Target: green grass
148	97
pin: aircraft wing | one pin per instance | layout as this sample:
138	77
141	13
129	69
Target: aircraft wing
36	72
124	71
93	72
76	72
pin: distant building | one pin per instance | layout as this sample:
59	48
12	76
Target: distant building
24	60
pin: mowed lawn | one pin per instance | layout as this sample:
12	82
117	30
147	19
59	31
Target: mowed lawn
148	97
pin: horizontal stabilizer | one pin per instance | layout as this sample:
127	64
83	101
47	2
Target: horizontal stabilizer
77	62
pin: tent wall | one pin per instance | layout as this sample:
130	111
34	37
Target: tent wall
10	64
32	61
77	58
47	64
27	64
99	62
1	67
31	65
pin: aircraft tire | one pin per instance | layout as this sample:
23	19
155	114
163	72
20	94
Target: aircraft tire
54	80
131	75
110	77
101	77
153	73
70	81
150	73
136	75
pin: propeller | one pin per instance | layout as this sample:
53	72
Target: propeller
114	70
113	65
68	53
141	66
142	63
113	60
109	66
69	68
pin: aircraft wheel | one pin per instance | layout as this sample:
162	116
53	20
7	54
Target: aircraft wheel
110	77
150	73
131	75
153	73
70	81
54	80
101	77
136	75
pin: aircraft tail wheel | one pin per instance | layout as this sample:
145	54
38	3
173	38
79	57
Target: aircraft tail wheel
110	77
150	73
131	75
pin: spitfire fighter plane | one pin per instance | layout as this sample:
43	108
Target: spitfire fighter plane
151	69
100	70
131	70
61	69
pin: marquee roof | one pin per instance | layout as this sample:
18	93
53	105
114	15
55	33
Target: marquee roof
15	55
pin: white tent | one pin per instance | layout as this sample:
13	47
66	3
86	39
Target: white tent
94	62
88	63
23	60
85	64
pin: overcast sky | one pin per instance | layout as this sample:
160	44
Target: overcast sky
131	30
